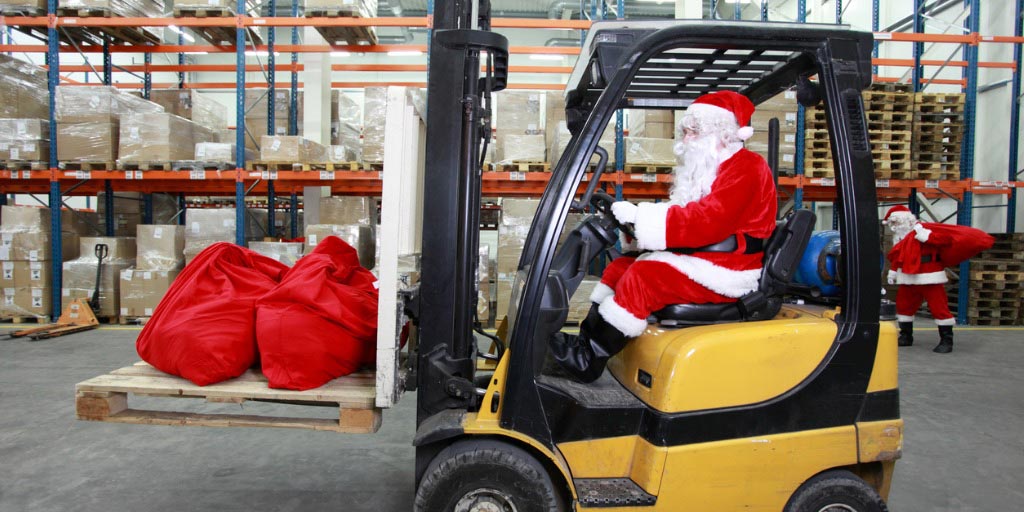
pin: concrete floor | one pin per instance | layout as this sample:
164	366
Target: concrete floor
963	449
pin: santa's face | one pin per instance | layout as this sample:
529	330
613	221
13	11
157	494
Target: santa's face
901	224
698	156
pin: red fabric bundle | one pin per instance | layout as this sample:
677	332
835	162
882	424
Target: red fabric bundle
204	328
321	322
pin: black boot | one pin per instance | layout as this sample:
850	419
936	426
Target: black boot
906	338
945	345
584	356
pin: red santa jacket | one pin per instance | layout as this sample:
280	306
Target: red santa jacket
742	201
922	255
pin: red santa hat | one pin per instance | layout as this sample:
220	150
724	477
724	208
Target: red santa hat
729	104
896	209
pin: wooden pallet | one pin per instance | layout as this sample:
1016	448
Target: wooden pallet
348	35
145	166
346	166
373	166
889	117
931	98
134	320
892	87
21	10
998	265
890	135
524	166
196	165
993	322
290	166
1003	276
226	36
203	12
24	165
25	319
665	168
105	398
87	166
118	35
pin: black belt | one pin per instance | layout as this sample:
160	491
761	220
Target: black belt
754	246
928	258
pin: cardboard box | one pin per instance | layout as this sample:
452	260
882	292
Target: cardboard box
160	247
192	105
119	248
22	302
359	8
579	303
35	246
513	227
156	138
80	273
291	149
23	91
655	124
784	101
95	141
343	210
220	152
646	151
24	129
24	6
29	150
554	113
142	290
207	226
503	293
361	237
759	143
98	104
375	108
787	120
518	113
25	274
520	148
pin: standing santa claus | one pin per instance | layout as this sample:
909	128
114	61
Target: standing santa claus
918	265
705	244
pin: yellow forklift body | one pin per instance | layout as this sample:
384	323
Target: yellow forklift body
718	366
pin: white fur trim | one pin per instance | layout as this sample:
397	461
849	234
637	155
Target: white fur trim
651	225
922	233
945	321
745	133
719	279
600	293
621	319
928	278
711	112
904	318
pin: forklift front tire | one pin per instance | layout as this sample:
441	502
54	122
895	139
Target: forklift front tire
487	476
836	490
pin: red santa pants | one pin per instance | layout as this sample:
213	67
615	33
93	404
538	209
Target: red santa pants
643	287
910	296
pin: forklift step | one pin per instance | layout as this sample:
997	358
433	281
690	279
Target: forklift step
105	398
612	492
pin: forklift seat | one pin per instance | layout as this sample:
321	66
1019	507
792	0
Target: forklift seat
781	256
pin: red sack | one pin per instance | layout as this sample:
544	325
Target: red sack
955	244
321	322
204	328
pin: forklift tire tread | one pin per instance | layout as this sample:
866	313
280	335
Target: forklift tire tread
487	465
836	487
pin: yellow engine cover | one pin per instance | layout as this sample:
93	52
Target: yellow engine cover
726	365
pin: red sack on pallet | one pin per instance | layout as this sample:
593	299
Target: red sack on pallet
321	322
204	328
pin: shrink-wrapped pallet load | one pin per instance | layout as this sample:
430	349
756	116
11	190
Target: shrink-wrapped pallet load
192	105
291	149
88	121
375	107
23	90
159	137
207	226
285	252
24	139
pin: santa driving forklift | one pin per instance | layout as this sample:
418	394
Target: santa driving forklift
695	383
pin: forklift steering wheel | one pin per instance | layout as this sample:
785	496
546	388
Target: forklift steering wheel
602	202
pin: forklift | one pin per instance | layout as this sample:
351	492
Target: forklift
766	404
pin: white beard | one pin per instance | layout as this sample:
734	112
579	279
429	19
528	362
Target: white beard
699	160
901	224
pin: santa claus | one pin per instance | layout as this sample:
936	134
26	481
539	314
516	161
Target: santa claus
918	265
704	245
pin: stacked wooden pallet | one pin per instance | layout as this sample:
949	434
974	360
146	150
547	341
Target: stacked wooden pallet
938	132
996	284
889	109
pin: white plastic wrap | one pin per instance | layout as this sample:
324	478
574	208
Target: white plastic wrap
142	290
646	151
77	103
220	152
125	8
513	148
23	7
25	234
25	288
516	218
285	252
192	105
207	226
160	247
23	91
375	106
159	137
293	149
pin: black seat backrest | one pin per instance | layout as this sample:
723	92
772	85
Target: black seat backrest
784	250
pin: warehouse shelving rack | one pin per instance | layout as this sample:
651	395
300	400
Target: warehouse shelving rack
240	182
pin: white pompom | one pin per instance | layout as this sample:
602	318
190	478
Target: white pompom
745	133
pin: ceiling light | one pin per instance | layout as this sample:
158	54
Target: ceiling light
405	53
543	56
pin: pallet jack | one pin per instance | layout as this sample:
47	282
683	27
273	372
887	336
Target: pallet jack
78	316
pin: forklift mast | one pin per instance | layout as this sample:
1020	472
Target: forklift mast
458	125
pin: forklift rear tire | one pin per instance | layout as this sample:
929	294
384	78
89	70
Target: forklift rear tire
836	490
487	476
